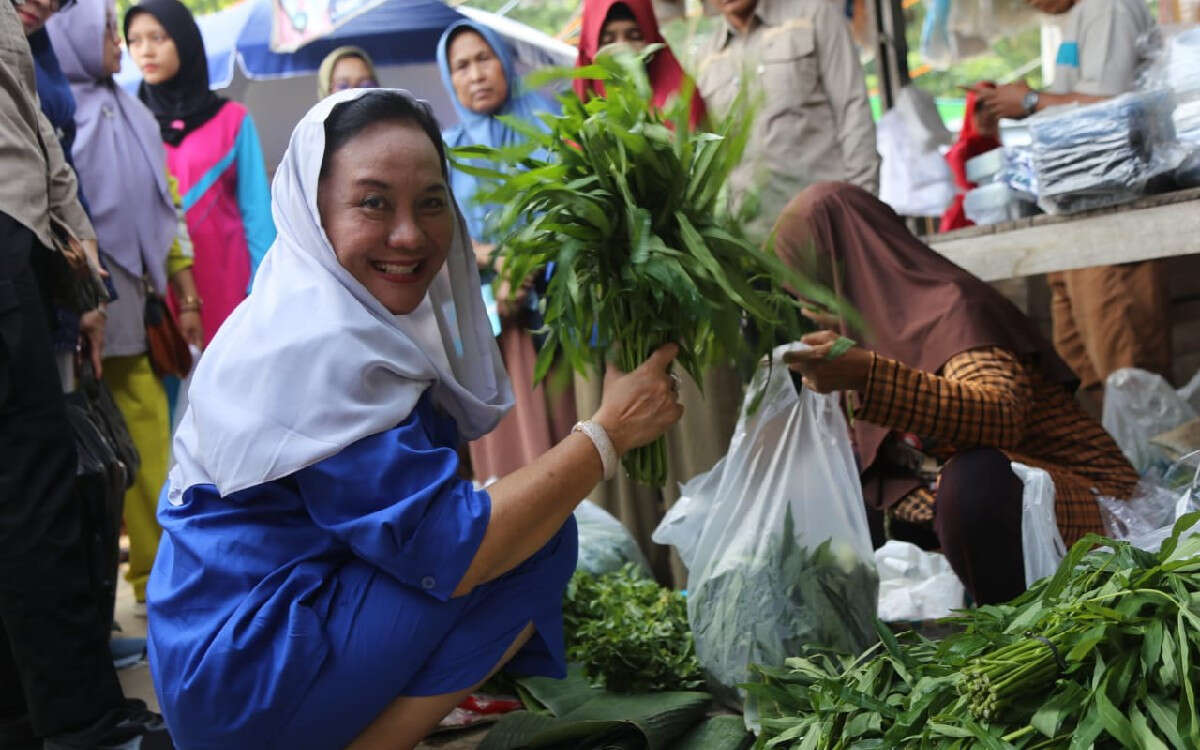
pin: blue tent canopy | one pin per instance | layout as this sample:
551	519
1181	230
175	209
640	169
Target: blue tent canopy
396	32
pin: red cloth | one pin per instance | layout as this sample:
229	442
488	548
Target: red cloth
666	74
970	143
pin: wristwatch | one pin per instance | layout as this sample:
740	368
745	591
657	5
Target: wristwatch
1030	102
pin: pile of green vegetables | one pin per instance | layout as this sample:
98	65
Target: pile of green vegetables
629	634
629	207
1100	655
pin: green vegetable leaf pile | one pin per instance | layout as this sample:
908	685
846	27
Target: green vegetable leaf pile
1103	654
629	208
629	634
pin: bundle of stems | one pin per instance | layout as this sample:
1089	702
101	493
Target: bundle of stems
995	680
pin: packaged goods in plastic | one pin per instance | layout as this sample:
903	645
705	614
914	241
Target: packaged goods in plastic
987	166
995	203
1103	154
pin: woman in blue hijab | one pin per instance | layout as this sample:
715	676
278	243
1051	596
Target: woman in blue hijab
479	73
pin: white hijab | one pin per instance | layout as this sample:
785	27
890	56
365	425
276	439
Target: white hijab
311	361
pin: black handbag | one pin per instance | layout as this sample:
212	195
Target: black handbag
106	467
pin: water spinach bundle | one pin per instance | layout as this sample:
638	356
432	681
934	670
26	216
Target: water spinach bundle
1103	654
628	210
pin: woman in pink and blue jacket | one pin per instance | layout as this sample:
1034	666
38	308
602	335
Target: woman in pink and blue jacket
212	150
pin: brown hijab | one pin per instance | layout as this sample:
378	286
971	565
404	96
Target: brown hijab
917	307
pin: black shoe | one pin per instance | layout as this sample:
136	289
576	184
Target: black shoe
16	733
130	727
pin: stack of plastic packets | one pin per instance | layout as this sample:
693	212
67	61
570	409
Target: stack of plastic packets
1102	154
1183	77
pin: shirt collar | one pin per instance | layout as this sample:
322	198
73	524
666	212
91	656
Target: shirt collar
762	17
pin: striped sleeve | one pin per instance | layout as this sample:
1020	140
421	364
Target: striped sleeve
981	398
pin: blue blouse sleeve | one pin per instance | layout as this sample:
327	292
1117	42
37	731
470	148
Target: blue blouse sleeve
253	194
396	500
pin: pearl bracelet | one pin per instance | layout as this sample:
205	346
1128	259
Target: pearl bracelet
599	437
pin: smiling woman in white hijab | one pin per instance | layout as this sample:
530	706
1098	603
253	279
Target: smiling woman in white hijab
325	577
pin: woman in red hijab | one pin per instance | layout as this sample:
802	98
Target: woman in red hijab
980	133
632	22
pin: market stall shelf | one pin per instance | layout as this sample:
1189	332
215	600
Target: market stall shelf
1157	226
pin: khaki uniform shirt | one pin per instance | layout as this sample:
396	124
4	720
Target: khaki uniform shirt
1099	54
813	118
35	180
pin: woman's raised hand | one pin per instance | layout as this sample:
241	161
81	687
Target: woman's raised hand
640	406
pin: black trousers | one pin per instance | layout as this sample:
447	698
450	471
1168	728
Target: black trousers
978	521
55	663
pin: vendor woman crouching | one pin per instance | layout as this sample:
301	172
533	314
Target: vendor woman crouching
954	373
325	578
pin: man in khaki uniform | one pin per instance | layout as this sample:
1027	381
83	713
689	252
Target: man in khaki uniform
1107	317
813	119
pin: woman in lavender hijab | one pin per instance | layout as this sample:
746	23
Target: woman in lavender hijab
122	167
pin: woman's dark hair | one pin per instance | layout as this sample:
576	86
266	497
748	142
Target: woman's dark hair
348	119
620	12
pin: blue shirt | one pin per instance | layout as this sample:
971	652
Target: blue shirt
292	613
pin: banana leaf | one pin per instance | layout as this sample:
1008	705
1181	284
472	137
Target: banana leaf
651	721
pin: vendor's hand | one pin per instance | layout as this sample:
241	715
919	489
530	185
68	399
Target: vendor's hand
848	372
1004	101
91	336
640	406
192	327
483	254
509	301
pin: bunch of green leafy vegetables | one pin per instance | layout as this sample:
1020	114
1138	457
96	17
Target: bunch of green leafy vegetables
1102	654
629	207
629	634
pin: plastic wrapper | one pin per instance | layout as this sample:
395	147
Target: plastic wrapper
1041	543
1103	154
1138	406
783	556
1174	64
1148	518
605	545
915	584
914	177
995	203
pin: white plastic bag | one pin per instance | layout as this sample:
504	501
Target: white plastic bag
605	545
914	178
783	556
915	584
1148	518
1041	543
1138	406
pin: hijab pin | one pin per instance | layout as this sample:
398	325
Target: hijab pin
177	124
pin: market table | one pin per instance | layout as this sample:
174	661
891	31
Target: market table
1157	226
